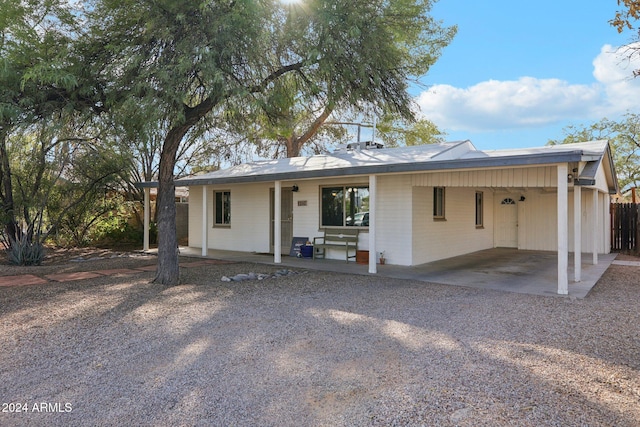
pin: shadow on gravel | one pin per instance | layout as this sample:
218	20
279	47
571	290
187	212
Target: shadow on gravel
319	349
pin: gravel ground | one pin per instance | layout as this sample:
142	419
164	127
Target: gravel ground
315	349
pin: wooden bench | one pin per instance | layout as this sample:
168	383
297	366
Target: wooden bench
336	238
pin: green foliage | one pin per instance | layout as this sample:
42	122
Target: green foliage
25	250
360	56
397	132
43	87
624	137
169	72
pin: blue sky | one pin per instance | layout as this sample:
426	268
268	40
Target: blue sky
517	73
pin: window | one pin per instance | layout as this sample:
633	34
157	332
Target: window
222	208
345	206
438	202
479	210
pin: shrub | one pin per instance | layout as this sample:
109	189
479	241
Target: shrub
25	251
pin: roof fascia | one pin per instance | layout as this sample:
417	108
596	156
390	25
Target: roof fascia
473	163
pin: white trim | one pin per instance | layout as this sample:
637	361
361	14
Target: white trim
277	222
373	183
563	232
596	224
577	233
205	216
147	216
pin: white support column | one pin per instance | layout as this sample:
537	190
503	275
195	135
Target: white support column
277	223
596	227
577	233
205	222
563	230
147	218
373	193
605	210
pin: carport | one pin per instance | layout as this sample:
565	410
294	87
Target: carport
500	269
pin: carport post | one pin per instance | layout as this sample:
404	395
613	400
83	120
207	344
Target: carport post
277	222
596	227
147	216
373	182
205	217
577	233
563	230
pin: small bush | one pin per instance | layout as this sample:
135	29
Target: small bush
24	251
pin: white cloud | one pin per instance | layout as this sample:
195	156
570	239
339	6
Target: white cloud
531	102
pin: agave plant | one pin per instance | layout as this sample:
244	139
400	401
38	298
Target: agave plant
25	251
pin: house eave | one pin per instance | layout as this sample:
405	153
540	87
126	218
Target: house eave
394	168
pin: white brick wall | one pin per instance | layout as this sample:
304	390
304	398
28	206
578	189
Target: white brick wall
437	239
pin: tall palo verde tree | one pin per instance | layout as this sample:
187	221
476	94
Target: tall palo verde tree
183	62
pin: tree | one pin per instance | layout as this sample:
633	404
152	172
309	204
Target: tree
39	83
624	137
395	131
182	62
384	39
623	20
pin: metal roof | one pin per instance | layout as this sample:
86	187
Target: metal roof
432	157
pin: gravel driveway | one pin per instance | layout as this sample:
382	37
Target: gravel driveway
316	349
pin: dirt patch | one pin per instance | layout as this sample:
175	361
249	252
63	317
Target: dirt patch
627	257
316	349
67	260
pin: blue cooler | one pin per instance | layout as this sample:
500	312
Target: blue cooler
306	251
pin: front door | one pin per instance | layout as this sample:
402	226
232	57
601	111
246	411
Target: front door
286	220
506	227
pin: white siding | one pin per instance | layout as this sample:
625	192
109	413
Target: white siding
407	231
394	231
542	177
605	218
601	180
306	219
457	235
195	216
537	224
249	230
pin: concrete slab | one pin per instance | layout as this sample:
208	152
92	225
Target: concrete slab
627	263
500	269
511	270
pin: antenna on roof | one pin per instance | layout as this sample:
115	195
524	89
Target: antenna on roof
373	137
358	144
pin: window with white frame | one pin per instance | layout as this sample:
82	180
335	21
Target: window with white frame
479	209
344	206
438	202
222	208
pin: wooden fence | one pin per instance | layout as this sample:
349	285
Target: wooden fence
625	227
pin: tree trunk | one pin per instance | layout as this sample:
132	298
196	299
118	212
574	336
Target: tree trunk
293	146
168	272
10	225
294	143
